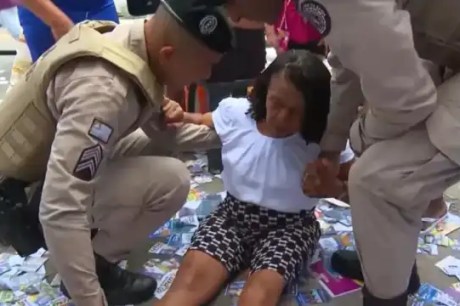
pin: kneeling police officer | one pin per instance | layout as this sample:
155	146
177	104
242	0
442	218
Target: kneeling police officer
69	131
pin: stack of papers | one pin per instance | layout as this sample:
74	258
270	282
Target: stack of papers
22	282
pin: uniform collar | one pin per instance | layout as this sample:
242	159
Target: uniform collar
136	39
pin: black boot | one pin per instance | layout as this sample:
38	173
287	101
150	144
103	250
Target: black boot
347	264
370	300
121	287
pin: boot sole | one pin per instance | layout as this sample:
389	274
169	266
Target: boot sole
141	298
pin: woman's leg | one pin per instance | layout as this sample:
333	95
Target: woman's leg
263	288
215	253
279	258
198	280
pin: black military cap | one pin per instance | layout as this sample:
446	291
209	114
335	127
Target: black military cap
142	7
206	22
147	7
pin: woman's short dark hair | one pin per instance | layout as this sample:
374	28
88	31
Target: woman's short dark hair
311	77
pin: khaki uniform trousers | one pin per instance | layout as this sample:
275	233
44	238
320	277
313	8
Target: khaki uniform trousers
390	187
137	192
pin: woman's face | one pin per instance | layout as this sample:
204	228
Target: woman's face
285	106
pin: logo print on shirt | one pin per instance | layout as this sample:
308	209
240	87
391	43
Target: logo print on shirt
88	163
317	15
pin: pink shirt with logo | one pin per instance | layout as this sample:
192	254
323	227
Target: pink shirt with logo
295	27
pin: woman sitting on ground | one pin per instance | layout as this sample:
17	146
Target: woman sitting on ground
265	223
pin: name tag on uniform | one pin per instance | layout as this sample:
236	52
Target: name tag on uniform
100	131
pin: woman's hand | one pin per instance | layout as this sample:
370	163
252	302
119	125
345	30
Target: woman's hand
274	38
320	180
323	43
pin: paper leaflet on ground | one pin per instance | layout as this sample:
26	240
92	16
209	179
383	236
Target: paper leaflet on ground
450	266
312	296
334	284
448	225
165	283
22	282
430	295
172	241
336	202
334	216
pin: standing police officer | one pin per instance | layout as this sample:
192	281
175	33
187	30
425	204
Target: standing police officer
72	121
407	158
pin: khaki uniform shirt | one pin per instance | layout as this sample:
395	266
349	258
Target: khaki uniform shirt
373	60
95	105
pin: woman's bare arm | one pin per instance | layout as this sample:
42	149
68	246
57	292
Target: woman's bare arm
197	118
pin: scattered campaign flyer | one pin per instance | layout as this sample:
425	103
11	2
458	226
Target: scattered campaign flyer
430	295
22	278
235	288
182	250
312	296
450	266
165	284
162	248
449	224
335	285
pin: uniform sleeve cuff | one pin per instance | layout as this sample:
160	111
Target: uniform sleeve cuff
333	143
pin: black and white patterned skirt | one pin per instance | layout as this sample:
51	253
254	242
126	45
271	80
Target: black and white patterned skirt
242	235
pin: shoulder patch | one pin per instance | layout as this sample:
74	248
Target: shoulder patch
317	15
88	163
100	131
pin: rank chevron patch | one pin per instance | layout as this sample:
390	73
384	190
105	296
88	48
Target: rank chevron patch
88	163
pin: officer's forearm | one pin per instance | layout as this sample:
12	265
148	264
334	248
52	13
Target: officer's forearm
72	254
333	156
192	137
379	48
346	97
64	217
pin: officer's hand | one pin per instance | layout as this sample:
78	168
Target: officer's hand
321	43
172	111
320	179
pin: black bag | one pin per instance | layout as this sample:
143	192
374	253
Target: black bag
19	223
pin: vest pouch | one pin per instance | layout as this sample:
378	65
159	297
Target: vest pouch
26	135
